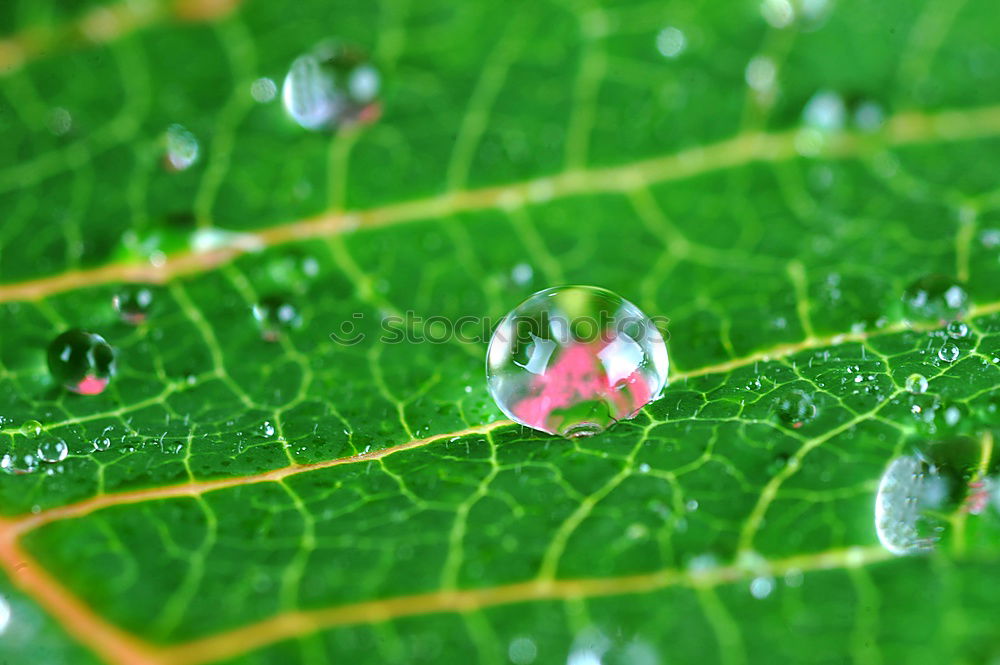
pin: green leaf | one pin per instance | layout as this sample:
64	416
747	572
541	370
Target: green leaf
297	500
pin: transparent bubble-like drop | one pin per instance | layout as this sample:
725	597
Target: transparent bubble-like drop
52	450
574	360
916	384
81	361
266	429
795	408
522	651
958	329
935	298
133	302
331	86
948	352
181	148
31	428
263	90
670	42
274	314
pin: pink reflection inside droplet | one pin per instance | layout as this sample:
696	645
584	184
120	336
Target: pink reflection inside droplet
579	376
90	385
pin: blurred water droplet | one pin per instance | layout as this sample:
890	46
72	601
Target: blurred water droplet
81	361
948	352
522	651
916	384
761	74
935	298
869	116
275	314
132	302
761	587
795	408
778	13
181	148
670	42
958	329
521	274
4	614
60	121
574	360
52	450
331	86
825	111
263	90
902	492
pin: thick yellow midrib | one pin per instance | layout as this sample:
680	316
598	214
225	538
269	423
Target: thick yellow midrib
901	129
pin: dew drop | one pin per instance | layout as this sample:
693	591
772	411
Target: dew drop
263	90
935	298
957	329
825	111
916	384
778	13
331	86
181	148
81	361
670	42
266	429
795	408
52	450
574	360
132	302
60	121
948	352
274	314
869	116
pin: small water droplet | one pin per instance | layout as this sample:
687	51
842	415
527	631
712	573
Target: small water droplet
274	314
948	352
331	86
81	361
761	74
263	90
778	13
670	42
935	298
4	615
574	360
916	384
869	116
824	111
266	429
52	450
521	274
31	428
181	148
133	302
958	329
60	121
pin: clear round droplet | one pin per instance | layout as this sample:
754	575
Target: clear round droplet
81	361
916	384
795	408
574	360
31	428
133	302
275	314
958	329
181	148
266	429
331	86
52	450
935	298
948	352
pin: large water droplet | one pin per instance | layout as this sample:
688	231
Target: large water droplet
52	450
132	302
181	148
574	360
81	361
958	329
274	314
935	298
331	86
916	384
